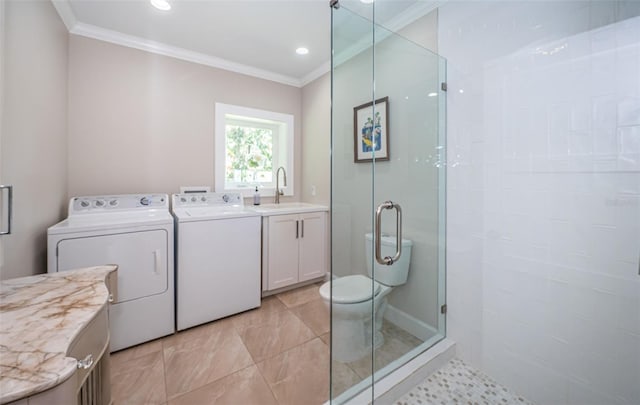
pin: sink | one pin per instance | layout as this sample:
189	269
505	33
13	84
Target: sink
287	208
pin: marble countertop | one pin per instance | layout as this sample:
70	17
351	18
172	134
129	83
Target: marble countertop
39	318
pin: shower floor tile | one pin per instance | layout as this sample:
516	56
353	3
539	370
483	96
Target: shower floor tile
397	343
458	383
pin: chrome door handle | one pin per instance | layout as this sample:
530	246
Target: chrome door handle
302	228
387	205
297	229
9	208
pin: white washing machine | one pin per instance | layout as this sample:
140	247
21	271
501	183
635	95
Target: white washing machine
136	233
217	257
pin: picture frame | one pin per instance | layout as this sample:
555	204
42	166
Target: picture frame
371	133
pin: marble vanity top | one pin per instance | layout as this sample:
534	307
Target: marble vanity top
39	318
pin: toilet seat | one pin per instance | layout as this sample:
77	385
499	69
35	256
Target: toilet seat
350	289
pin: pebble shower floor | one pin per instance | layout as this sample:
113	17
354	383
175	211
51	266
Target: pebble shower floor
457	383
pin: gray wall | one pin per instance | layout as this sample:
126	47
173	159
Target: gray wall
316	140
34	130
141	122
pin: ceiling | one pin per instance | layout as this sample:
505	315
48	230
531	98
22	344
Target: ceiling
255	37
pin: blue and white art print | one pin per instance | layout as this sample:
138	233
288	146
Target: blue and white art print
371	131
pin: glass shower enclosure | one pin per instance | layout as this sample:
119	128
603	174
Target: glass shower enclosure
387	201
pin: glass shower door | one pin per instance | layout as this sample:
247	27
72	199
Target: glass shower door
388	195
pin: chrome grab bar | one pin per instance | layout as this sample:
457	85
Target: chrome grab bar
9	208
387	205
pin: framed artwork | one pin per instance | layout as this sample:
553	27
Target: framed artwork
371	131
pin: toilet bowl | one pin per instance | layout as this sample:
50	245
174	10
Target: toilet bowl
359	301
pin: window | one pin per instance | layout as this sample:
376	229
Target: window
251	145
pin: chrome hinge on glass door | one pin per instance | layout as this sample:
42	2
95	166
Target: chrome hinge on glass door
9	205
388	260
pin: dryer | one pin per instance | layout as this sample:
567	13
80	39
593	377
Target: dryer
135	232
218	270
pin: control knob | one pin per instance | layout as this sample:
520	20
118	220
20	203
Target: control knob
99	203
183	199
193	199
225	198
145	201
113	203
84	203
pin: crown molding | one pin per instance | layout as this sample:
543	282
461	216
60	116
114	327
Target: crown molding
66	13
102	34
91	31
75	27
413	13
408	16
316	73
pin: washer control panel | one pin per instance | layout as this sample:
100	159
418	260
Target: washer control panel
122	202
207	200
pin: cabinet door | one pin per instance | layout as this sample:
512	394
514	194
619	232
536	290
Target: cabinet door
312	256
283	251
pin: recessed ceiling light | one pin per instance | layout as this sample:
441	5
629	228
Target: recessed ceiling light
302	51
161	5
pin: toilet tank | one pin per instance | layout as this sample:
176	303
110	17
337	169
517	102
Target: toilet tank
395	274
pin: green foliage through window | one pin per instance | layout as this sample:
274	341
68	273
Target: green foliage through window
249	154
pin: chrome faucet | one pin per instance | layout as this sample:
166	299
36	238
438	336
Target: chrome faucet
280	192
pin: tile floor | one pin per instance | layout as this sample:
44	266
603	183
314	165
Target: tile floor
276	354
458	383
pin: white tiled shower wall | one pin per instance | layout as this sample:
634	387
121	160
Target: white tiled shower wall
544	195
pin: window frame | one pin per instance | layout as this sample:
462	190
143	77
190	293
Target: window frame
283	156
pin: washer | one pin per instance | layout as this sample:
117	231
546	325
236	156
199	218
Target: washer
217	257
136	233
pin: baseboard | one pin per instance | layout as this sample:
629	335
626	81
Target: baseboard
411	324
292	287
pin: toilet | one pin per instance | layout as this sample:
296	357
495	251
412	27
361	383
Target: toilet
356	297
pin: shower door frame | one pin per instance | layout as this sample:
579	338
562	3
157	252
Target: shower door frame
361	390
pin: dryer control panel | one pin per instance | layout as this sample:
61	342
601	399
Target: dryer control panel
207	200
117	203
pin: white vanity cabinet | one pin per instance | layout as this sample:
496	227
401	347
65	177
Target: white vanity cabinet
294	248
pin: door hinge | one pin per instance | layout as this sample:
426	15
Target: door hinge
443	86
443	309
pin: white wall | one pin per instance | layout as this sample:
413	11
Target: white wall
544	196
141	122
34	130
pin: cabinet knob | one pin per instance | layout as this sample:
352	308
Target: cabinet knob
86	362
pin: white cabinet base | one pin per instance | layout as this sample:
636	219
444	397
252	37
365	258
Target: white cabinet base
294	250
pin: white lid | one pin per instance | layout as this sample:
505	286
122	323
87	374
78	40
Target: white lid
350	289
